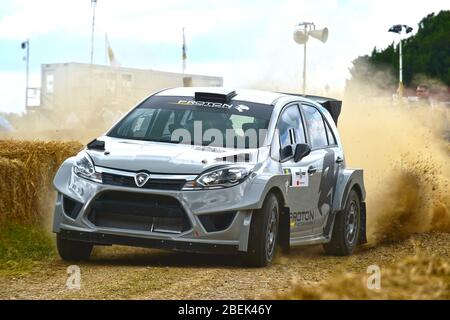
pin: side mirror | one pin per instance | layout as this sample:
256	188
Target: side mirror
286	152
301	151
96	145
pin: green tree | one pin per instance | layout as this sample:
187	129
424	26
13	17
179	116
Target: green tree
425	54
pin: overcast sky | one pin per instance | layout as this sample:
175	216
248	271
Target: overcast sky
249	43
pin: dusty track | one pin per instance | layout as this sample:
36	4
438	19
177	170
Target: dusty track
125	273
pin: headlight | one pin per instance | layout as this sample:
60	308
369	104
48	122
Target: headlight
220	178
84	167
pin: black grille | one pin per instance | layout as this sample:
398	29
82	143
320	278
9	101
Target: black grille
135	211
217	221
126	181
71	207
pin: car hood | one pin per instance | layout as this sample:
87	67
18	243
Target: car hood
156	157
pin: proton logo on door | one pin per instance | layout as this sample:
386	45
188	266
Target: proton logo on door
141	178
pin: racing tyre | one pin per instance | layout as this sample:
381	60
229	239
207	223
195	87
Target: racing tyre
346	229
263	236
71	250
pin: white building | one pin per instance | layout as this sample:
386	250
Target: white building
73	85
74	92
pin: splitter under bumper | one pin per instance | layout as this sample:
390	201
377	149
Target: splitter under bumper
99	238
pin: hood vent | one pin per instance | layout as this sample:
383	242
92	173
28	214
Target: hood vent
243	157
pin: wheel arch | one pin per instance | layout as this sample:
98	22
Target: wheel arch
358	191
279	194
349	179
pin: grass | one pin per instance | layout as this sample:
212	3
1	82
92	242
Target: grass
27	169
22	248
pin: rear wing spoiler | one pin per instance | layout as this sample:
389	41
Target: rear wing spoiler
332	105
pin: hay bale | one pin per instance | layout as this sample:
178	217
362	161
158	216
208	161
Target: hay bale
27	169
12	200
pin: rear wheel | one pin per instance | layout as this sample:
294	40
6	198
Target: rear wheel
71	250
346	228
263	236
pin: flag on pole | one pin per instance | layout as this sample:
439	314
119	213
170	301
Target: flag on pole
184	55
111	56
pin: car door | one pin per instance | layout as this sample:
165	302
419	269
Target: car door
291	132
324	168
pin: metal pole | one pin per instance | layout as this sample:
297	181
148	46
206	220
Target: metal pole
304	60
400	87
184	57
106	49
94	3
28	72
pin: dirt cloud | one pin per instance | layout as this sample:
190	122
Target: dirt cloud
406	165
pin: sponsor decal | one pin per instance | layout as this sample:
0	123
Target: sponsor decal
205	104
302	218
242	108
287	171
217	105
299	176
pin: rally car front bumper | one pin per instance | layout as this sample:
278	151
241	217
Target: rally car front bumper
163	216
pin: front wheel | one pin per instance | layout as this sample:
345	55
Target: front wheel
346	228
262	243
71	250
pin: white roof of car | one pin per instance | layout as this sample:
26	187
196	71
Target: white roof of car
257	96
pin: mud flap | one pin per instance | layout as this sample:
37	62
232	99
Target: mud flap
362	239
328	230
57	214
245	232
284	230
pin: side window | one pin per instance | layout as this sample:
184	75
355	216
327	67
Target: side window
290	127
331	138
316	127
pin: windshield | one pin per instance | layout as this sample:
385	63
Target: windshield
181	120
